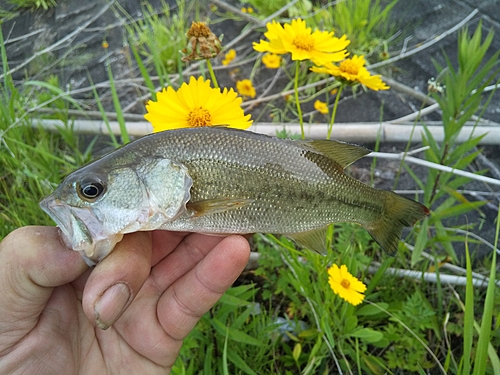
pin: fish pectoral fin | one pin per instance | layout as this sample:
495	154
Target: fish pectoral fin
343	153
212	206
313	240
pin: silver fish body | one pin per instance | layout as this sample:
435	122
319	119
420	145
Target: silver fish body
220	181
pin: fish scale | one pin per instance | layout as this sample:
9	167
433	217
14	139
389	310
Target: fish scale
220	181
286	181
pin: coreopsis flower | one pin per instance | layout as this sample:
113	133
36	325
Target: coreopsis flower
353	71
196	104
271	61
321	107
345	285
203	43
229	56
302	43
245	88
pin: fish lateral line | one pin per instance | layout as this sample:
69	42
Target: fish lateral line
212	206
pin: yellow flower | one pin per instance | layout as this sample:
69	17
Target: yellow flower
196	104
229	56
345	285
245	88
105	44
321	107
271	61
248	10
297	39
353	70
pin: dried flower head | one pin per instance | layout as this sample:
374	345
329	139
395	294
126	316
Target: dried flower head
203	43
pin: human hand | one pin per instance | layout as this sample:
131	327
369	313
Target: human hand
57	316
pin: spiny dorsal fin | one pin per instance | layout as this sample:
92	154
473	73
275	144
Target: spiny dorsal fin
343	153
313	240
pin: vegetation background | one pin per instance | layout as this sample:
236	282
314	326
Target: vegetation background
101	61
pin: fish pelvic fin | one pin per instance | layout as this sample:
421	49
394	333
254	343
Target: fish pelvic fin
343	153
314	240
399	212
211	206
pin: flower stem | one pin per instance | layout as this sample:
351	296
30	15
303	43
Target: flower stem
296	90
334	112
212	74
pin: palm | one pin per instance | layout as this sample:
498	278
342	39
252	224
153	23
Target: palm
175	280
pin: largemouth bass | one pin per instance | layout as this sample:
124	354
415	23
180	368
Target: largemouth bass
218	180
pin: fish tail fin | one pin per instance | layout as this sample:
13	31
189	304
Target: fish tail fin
399	212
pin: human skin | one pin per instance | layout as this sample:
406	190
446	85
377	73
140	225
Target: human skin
57	316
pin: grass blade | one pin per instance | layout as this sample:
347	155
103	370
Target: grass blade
485	331
118	107
469	315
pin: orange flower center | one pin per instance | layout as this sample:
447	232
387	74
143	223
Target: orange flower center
199	117
347	66
199	29
345	283
304	42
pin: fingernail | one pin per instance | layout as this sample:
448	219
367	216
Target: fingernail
111	304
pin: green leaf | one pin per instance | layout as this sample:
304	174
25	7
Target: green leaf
376	279
485	331
350	324
308	333
233	301
239	362
368	310
207	362
234	334
368	335
118	107
457	210
420	243
297	350
225	368
469	315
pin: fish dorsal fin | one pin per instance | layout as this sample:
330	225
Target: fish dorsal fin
313	240
212	206
343	153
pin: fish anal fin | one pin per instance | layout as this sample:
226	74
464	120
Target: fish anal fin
314	240
343	153
211	206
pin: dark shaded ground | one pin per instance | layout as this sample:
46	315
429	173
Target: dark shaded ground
420	20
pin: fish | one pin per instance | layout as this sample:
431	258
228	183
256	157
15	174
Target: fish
222	181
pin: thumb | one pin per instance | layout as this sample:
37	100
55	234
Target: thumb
33	261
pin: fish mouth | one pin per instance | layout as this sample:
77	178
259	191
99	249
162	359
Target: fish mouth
81	230
76	235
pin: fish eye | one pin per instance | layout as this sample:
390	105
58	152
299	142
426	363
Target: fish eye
90	188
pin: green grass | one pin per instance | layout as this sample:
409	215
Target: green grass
33	4
283	318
